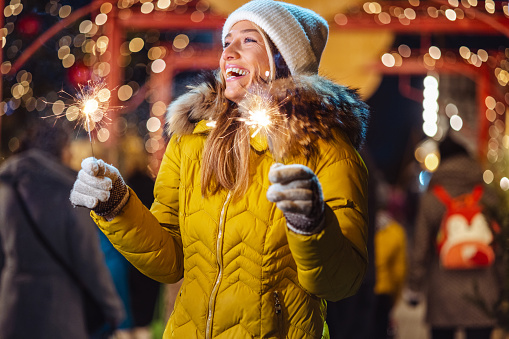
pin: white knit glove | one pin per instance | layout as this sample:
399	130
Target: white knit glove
297	192
100	187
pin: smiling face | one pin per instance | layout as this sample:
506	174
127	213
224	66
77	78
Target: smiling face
244	59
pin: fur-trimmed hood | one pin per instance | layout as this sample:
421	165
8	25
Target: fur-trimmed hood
312	104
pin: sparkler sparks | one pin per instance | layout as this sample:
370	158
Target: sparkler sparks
261	113
258	118
89	107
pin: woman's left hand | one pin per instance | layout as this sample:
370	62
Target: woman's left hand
297	192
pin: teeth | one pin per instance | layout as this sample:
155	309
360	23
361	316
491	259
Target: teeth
240	72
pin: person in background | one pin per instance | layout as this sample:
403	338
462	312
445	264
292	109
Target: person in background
144	292
119	269
390	262
263	224
449	291
38	297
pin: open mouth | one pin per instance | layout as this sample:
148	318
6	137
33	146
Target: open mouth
234	72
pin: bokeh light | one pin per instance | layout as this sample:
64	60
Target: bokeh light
430	128
58	107
504	184
450	14
404	51
490	102
488	177
101	19
158	66
158	108
125	92
147	7
181	41
456	122
103	134
431	162
434	52
64	11
136	45
153	124
451	109
163	4
86	26
388	60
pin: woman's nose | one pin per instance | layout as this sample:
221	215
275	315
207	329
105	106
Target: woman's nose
230	52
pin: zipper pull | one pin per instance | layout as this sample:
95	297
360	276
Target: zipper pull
277	304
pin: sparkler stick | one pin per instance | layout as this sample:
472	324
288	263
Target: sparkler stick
90	107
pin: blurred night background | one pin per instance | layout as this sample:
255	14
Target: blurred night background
146	52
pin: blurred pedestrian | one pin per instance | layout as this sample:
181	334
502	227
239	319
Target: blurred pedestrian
390	264
144	292
449	288
119	269
52	257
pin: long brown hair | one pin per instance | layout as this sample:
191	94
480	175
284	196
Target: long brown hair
225	163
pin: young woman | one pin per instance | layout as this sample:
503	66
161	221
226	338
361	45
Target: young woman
262	224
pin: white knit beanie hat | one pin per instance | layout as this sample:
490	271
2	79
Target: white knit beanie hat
299	34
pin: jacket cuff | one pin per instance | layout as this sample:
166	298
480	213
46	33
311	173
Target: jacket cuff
118	199
306	226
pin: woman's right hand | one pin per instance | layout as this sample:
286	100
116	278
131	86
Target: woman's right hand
100	187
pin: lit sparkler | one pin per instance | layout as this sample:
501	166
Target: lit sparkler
89	107
260	112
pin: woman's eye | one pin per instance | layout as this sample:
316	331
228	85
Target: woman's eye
226	44
249	40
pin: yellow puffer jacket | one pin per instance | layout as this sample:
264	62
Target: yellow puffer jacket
245	274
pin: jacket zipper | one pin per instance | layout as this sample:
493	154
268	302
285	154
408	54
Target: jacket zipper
220	264
278	309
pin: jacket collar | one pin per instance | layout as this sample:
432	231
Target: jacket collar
313	104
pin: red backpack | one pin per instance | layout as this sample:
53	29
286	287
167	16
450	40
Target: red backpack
465	236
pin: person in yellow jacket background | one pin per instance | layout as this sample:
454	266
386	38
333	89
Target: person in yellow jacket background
390	263
264	219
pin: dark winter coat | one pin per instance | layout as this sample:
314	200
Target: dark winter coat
38	299
447	290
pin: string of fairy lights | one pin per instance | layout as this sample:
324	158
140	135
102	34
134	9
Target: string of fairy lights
88	49
496	105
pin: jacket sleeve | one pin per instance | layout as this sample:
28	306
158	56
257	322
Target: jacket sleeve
150	239
332	263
